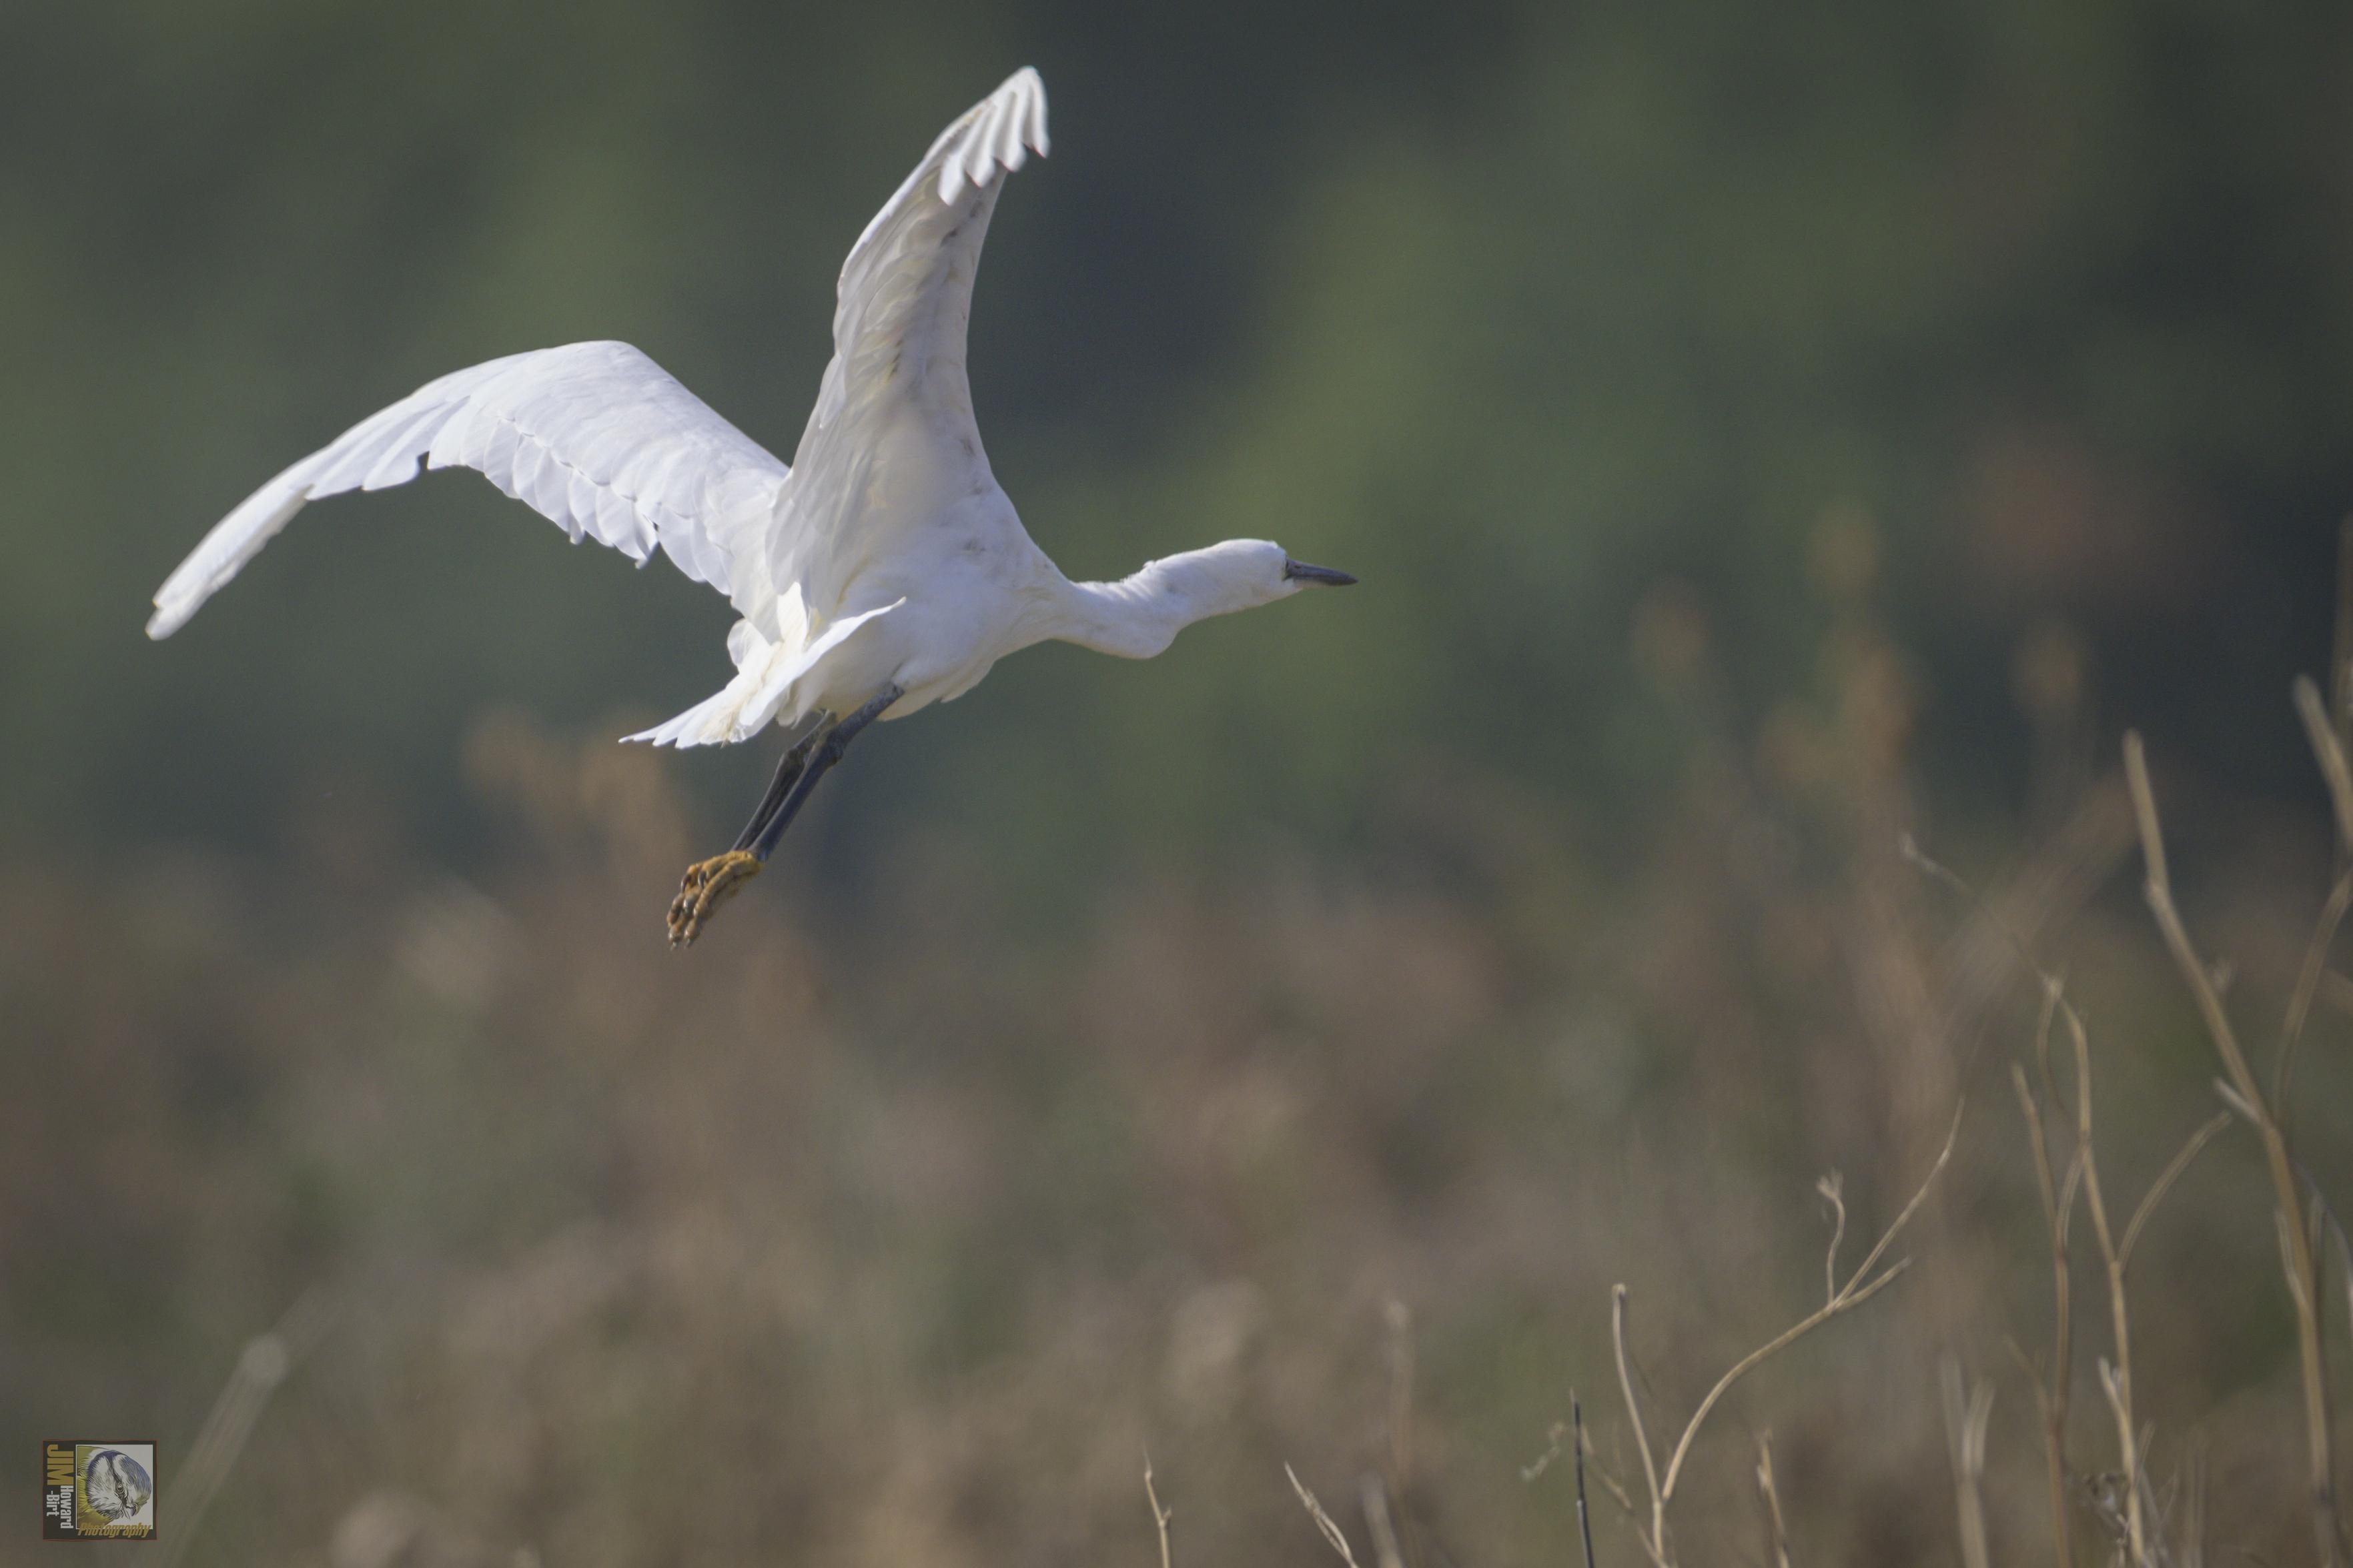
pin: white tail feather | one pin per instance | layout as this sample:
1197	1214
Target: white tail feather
765	689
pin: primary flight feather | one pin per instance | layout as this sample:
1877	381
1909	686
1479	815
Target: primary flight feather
884	570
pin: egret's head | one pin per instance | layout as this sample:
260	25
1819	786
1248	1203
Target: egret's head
1241	574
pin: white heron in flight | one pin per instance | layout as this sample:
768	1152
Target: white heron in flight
883	571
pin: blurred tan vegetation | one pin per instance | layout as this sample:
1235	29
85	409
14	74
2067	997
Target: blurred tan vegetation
1769	439
901	1238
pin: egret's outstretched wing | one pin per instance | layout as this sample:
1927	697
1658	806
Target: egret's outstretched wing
595	437
899	329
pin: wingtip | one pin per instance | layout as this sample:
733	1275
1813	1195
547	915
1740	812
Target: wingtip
1034	134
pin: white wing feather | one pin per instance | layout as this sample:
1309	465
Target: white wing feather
604	442
902	304
905	291
905	297
595	436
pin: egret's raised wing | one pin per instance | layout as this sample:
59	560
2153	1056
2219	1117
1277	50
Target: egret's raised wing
595	437
899	324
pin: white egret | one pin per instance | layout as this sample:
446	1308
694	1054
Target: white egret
883	571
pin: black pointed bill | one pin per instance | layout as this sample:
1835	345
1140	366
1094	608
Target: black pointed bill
1300	571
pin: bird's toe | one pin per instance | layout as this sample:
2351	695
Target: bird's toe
706	885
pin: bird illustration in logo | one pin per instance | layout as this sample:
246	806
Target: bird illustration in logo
115	1486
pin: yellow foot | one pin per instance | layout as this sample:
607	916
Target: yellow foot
708	885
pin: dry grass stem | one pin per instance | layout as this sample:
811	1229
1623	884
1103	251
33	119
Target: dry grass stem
2336	991
1861	1287
2181	1161
2115	1377
1378	1523
1576	1436
2307	986
1323	1523
2053	1396
1968	1412
1160	1516
1653	1543
1833	1190
2330	752
1572	1433
1554	1448
2115	1256
1400	1318
2298	1259
267	1360
2192	1534
2083	1174
1400	1327
1610	1481
1772	1495
2117	1385
2323	1209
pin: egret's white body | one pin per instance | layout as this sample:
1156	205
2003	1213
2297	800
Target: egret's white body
884	560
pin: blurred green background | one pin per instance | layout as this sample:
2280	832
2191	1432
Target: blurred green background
1759	432
1511	310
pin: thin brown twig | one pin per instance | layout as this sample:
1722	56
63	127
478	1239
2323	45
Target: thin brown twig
1654	1549
2190	1151
1378	1523
267	1360
2307	986
1859	1289
2300	1262
1400	1326
1610	1481
2322	1208
1331	1532
1399	1320
2082	1174
2336	991
2158	1507
1160	1516
2117	1377
2052	1400
1577	1436
1968	1412
2329	754
1862	1285
1834	1188
2192	1552
2328	750
1554	1448
1656	1545
1772	1496
2058	1209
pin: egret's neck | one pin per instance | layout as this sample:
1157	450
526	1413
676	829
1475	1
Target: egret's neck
1141	613
1136	617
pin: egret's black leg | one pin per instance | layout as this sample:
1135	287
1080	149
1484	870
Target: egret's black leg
828	752
708	883
711	882
788	772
